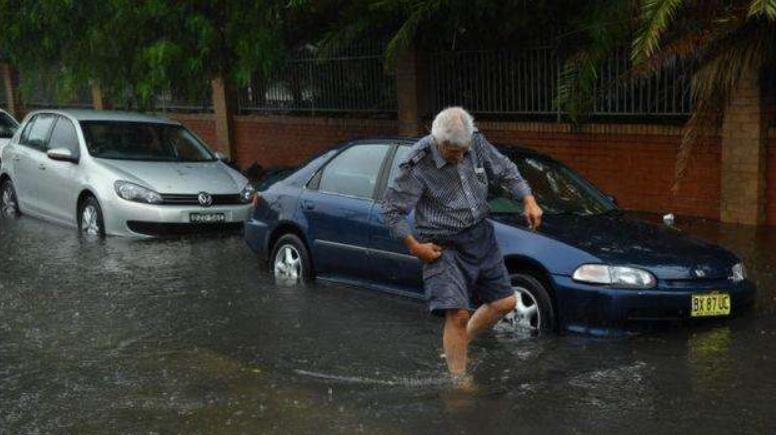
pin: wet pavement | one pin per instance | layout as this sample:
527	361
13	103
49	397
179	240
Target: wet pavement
189	335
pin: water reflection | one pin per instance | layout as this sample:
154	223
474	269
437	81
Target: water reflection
191	335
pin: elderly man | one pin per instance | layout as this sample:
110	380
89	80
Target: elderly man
445	179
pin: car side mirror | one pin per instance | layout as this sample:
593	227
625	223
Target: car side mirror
220	156
62	154
612	199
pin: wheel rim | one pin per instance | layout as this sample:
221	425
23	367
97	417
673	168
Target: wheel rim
526	316
288	265
9	206
89	221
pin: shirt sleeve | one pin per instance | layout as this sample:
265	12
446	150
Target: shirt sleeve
504	171
400	198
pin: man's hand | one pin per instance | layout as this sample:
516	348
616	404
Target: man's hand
426	252
533	213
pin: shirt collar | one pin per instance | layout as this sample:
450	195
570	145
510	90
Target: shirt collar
438	159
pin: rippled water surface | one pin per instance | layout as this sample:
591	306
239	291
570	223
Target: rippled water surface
190	335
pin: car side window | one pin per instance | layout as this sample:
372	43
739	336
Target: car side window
36	132
354	171
7	126
64	136
401	154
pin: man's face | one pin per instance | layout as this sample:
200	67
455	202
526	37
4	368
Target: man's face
451	153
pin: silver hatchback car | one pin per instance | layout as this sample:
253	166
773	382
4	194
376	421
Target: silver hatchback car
119	173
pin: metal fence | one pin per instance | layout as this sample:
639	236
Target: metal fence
43	91
527	82
352	81
181	102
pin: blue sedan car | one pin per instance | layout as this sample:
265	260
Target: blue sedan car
589	268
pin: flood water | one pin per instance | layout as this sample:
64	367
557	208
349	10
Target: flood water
189	335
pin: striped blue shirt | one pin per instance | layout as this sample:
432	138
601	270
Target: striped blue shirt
447	198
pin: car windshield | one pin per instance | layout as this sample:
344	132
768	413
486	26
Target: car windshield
145	141
557	189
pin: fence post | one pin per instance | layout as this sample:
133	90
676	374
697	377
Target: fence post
13	102
410	92
223	109
744	155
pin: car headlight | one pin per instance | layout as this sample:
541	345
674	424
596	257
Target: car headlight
136	193
621	276
246	195
738	273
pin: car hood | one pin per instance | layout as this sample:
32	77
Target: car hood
178	177
622	240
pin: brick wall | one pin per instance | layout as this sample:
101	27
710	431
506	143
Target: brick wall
203	125
744	154
279	140
635	163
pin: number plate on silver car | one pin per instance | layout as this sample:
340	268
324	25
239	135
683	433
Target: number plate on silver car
207	218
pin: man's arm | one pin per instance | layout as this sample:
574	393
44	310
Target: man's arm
402	195
506	174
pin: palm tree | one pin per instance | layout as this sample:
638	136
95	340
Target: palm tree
722	40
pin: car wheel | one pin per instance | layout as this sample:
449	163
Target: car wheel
533	312
291	261
90	219
9	205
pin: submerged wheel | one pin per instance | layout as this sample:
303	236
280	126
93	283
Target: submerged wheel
291	261
533	312
9	205
90	219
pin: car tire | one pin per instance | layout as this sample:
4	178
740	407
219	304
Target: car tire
90	219
534	312
290	261
9	202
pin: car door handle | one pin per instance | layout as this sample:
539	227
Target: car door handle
308	205
42	167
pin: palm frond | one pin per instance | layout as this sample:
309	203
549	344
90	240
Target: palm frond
714	83
404	37
766	8
656	15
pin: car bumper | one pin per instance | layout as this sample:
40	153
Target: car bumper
257	237
136	219
604	311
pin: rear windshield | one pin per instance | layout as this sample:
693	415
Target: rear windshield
145	141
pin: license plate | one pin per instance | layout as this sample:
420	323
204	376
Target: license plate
710	304
207	218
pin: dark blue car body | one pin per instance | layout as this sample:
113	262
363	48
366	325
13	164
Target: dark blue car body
350	244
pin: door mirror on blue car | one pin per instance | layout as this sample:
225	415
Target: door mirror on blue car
612	199
220	156
62	154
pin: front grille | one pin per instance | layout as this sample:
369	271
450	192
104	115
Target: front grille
176	229
187	199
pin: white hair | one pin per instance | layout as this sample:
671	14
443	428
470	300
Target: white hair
453	125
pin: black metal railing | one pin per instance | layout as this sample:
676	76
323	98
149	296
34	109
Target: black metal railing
528	81
351	81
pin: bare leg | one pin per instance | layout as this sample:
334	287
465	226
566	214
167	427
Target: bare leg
488	314
455	340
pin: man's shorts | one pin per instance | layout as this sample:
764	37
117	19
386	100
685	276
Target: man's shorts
470	271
